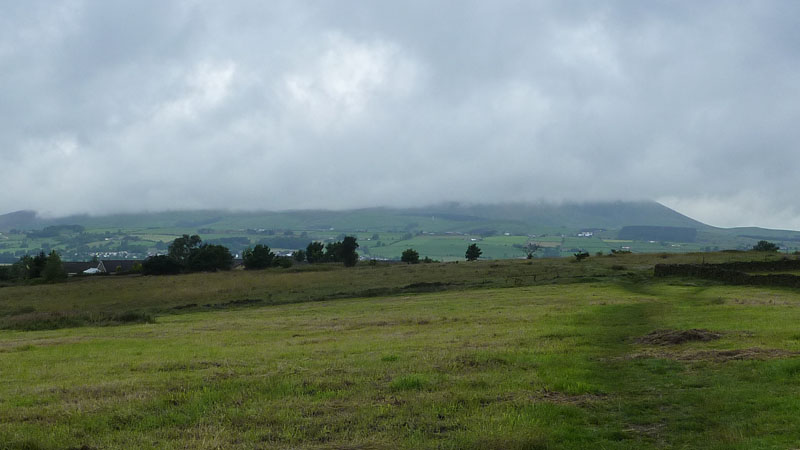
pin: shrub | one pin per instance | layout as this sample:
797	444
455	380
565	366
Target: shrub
580	256
259	257
160	265
473	252
284	262
210	258
410	256
766	246
53	269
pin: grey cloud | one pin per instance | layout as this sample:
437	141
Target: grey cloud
120	106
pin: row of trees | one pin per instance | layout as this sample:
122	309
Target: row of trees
411	256
343	251
41	266
189	254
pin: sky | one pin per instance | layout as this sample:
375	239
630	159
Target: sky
124	106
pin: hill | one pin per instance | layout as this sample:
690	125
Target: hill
516	217
440	232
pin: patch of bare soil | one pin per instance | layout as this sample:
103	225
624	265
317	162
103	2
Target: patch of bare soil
754	353
674	337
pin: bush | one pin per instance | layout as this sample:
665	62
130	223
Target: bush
210	258
410	256
766	246
315	252
53	269
284	262
580	256
161	265
260	257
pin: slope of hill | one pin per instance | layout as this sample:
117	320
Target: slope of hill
438	231
18	219
514	217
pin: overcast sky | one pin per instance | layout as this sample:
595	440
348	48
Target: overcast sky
109	106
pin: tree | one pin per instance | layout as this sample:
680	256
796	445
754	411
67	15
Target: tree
299	255
36	265
410	256
348	251
53	269
181	248
530	249
283	262
766	246
473	252
260	257
580	256
160	265
315	252
210	258
333	251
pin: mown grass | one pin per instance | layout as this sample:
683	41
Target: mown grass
539	366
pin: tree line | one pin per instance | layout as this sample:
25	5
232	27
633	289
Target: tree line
188	254
45	267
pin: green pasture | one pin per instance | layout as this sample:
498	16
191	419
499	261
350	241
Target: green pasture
553	364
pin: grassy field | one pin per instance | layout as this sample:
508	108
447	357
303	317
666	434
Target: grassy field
598	357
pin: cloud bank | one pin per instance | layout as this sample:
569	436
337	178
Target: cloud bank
125	106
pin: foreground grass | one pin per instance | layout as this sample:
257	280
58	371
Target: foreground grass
554	366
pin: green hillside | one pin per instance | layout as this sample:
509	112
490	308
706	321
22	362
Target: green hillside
441	231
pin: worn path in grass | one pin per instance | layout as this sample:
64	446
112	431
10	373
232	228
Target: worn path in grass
553	366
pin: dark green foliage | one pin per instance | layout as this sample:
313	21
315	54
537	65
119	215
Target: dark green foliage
315	252
473	252
181	248
260	257
580	256
210	258
53	269
36	265
299	255
333	251
44	266
736	272
284	262
410	256
161	265
348	251
766	246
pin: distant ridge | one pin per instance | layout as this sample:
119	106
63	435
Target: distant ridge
514	217
18	219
